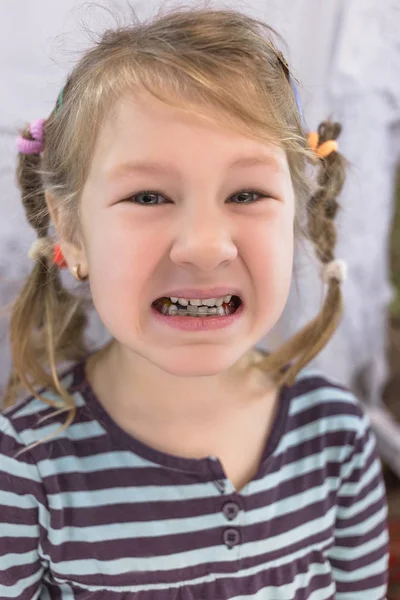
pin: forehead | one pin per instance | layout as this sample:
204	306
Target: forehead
142	128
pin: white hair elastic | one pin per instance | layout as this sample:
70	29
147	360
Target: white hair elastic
336	269
40	248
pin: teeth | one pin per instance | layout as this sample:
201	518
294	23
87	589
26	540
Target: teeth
194	311
197	302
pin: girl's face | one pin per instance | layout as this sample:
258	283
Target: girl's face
202	223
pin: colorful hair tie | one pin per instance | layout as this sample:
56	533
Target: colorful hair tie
43	248
58	257
35	146
286	68
40	248
324	149
336	269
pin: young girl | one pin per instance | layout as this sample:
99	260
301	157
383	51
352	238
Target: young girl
178	462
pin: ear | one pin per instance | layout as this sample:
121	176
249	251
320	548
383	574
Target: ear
73	253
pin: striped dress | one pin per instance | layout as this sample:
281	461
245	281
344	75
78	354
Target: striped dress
96	514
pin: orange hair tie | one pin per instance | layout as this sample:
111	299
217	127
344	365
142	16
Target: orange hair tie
327	148
58	257
313	139
324	149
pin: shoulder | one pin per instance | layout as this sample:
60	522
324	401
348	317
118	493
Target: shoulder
31	419
327	405
328	427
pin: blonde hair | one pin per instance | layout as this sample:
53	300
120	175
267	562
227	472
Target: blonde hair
178	57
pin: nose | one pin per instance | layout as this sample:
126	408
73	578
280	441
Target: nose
204	240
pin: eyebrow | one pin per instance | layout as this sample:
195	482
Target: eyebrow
154	167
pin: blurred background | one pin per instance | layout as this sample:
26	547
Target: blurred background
346	55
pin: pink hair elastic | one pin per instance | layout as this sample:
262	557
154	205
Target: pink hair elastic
35	146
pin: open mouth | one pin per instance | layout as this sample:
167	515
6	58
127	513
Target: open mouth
220	307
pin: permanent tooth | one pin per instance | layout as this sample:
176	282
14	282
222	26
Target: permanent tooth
193	311
209	302
206	302
196	307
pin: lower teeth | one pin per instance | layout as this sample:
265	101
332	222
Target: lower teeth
173	311
185	313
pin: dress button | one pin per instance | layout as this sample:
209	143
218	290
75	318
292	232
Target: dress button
230	510
231	537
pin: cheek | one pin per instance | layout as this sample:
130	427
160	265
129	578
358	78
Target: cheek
272	268
117	246
272	249
120	258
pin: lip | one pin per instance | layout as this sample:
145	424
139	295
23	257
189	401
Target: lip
202	294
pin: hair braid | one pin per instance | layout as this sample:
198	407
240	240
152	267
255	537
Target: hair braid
322	206
32	192
321	212
47	322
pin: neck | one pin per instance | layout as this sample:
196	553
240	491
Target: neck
140	390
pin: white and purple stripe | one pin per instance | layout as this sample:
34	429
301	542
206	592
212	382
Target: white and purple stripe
96	514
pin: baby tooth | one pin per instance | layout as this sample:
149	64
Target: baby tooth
183	302
227	299
195	302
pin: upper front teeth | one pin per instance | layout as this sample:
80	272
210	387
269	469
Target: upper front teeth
205	302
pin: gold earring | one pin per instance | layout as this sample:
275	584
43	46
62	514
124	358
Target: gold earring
76	270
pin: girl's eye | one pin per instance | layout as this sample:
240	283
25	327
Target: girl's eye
150	197
244	196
